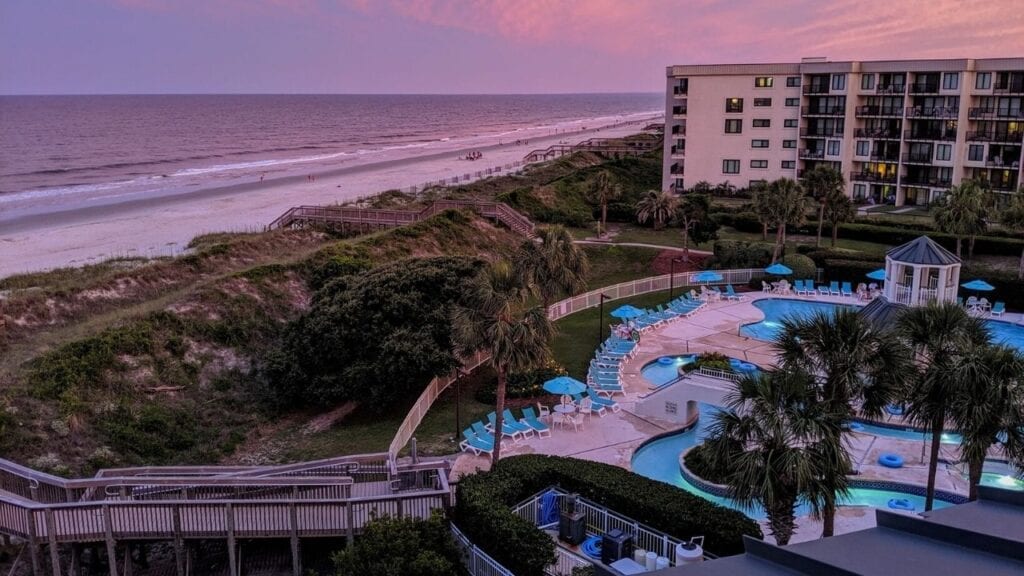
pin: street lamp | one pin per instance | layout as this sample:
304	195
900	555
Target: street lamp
672	275
600	318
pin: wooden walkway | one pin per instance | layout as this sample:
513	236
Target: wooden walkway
616	147
366	219
326	498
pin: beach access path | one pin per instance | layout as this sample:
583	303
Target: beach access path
160	226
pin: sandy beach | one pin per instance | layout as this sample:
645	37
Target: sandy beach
156	226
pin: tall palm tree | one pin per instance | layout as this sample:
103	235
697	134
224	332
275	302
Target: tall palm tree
961	212
603	191
776	445
553	265
838	209
1013	218
496	319
854	362
938	335
656	207
763	205
988	408
786	198
693	214
822	183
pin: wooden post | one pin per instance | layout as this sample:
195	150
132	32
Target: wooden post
51	535
232	559
128	568
111	544
74	567
351	517
178	545
33	545
296	552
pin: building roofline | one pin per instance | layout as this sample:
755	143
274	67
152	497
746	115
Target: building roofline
812	65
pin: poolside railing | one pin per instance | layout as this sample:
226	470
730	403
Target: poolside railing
718	373
476	561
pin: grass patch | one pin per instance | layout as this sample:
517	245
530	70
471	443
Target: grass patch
613	264
672	237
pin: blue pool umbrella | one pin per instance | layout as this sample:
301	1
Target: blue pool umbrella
877	274
979	285
778	269
626	312
565	385
707	276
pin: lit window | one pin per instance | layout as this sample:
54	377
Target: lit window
734	104
763	82
734	126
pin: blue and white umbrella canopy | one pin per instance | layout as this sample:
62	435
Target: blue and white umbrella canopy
979	286
707	276
778	269
564	385
626	312
877	274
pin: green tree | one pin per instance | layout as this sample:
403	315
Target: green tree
938	335
603	191
693	214
656	207
495	319
1013	218
855	363
402	547
988	408
961	212
702	187
776	444
725	188
825	184
553	266
763	205
786	206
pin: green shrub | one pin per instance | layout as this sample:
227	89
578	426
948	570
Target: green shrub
522	385
697	463
991	245
402	547
802	266
731	254
154	434
484	501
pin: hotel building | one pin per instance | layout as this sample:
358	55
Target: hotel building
902	130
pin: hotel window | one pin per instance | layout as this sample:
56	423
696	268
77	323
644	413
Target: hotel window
734	126
762	101
734	104
730	166
859	190
792	81
789	123
789	143
976	152
762	123
863	147
839	81
951	81
944	152
983	81
763	82
758	143
792	101
758	163
833	148
788	164
867	82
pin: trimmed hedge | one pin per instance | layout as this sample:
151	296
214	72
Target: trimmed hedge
484	501
895	236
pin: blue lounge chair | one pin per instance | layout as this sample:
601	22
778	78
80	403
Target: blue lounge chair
510	429
809	287
998	309
599	400
530	419
798	287
823	290
577	399
730	293
833	288
475	444
526	429
482	433
609	389
847	289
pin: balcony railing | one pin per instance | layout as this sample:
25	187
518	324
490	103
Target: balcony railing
1003	185
1012	88
904	294
822	110
996	136
947	135
678	151
816	88
885	157
679	110
930	112
877	133
677	170
811	154
986	112
890	88
1004	164
879	111
872	177
930	181
807	132
679	130
680	90
917	158
924	88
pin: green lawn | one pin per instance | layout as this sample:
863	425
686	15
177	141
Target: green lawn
672	237
613	264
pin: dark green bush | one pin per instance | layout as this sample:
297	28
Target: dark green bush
802	266
484	501
521	385
152	434
731	254
697	463
402	547
991	245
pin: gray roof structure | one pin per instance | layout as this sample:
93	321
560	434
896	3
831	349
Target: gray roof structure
922	250
983	537
882	313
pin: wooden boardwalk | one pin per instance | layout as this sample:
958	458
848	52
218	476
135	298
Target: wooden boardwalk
326	498
615	147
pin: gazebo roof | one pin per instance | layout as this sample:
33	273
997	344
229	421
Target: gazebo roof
881	312
923	251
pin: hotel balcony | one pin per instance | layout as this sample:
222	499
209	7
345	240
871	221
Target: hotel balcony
877	133
680	91
928	112
890	89
887	111
822	110
887	158
929	181
917	158
943	135
811	154
1003	185
679	112
678	152
994	113
1011	88
679	130
1002	164
676	170
924	88
872	177
816	89
807	132
1014	137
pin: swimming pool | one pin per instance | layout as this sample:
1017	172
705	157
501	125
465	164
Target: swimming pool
662	371
908	433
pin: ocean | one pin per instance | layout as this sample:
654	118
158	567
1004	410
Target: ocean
57	150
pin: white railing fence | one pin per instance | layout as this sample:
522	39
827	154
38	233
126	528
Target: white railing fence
477	562
718	373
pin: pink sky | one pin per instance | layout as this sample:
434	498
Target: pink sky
463	45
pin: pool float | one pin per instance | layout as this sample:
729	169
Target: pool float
891	460
900	504
856	427
747	367
666	360
894	410
592	547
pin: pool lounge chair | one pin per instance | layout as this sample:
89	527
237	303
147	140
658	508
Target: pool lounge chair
798	287
530	419
579	400
998	308
602	401
730	294
809	287
608	390
511	429
847	290
482	433
475	444
833	288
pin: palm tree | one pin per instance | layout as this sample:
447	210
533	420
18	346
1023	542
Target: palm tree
961	212
1013	218
822	183
693	214
553	265
764	206
854	363
776	445
656	207
988	408
786	198
605	190
938	335
838	209
496	319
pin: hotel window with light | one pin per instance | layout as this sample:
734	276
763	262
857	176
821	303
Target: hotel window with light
867	82
792	102
789	123
951	81
763	82
839	81
792	81
758	163
730	166
734	126
983	81
733	105
762	123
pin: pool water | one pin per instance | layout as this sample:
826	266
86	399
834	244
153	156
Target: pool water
660	374
908	433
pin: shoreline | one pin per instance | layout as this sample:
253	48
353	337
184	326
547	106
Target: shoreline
162	225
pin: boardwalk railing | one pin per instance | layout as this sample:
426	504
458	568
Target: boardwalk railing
300	216
610	146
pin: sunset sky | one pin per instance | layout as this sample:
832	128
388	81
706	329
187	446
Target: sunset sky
462	46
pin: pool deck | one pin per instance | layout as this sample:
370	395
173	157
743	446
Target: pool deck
614	437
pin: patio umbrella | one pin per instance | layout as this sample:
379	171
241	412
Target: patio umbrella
707	276
564	385
778	269
979	286
626	312
877	275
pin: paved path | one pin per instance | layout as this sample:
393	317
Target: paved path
642	245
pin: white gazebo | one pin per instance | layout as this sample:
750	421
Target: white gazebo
920	272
